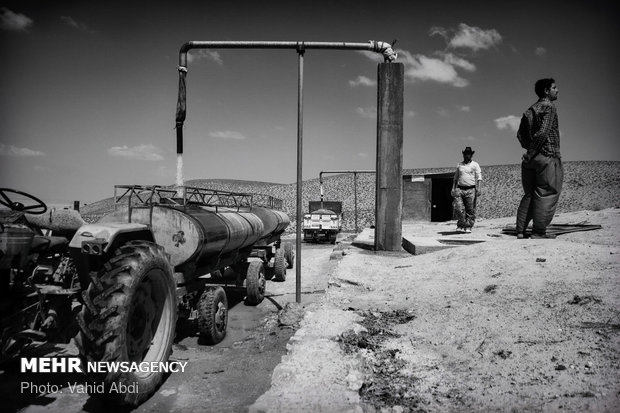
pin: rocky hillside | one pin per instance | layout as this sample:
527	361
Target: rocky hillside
588	185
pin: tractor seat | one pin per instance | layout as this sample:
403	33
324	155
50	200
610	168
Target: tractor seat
49	244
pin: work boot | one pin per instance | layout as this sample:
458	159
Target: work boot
542	236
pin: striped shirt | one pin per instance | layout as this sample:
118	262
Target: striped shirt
546	139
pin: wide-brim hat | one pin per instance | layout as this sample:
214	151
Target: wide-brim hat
468	150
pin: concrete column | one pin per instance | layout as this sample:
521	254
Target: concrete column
389	206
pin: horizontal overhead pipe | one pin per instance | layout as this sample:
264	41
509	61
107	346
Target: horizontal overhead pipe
383	48
373	46
300	47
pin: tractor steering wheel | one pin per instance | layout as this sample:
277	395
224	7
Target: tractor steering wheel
36	208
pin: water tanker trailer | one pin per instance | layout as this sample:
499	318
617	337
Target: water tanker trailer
165	255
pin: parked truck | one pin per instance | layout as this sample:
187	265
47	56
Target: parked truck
324	222
161	256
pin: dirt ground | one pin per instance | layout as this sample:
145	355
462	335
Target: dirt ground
504	325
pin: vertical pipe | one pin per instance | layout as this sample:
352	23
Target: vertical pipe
300	133
181	113
320	188
389	208
355	199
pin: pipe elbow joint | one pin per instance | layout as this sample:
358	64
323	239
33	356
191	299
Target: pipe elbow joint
186	47
389	55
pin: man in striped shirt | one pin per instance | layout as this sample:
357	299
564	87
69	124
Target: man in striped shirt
542	173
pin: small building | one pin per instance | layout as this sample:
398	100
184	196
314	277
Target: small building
428	197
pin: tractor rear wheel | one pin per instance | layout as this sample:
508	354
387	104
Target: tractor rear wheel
255	283
289	254
129	315
213	315
279	265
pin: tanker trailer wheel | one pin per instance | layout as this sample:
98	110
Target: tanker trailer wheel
289	254
213	315
255	283
332	238
129	315
279	265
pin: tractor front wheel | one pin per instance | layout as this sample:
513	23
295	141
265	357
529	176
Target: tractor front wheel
129	316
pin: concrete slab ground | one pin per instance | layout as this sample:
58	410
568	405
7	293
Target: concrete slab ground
503	325
421	237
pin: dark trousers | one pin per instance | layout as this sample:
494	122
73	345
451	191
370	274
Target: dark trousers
542	179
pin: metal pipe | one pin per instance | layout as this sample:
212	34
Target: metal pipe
378	47
355	198
300	134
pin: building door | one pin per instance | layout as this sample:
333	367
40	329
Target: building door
441	198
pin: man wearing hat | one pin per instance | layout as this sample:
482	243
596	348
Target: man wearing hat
466	187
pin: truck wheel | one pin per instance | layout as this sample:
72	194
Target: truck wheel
255	283
129	315
279	265
213	315
289	254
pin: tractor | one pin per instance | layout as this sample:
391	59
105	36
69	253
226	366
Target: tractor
120	285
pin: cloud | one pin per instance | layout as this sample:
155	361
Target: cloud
14	151
138	153
375	57
12	21
368	113
442	69
363	81
227	134
362	154
437	30
69	21
510	122
464	108
443	112
540	51
453	60
409	114
468	37
200	54
442	66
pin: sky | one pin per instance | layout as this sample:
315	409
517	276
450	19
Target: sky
89	89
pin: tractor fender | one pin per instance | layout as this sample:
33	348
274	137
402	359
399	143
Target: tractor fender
110	235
